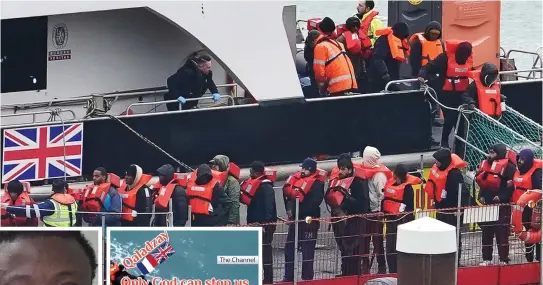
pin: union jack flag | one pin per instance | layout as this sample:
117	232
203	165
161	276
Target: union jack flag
164	251
37	153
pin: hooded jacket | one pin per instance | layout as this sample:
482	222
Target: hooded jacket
454	178
218	201
383	67
505	192
489	74
232	190
189	83
179	201
415	56
376	184
528	156
144	200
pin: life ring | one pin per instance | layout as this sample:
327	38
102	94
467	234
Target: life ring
528	236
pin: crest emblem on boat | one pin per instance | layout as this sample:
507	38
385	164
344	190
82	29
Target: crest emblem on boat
60	36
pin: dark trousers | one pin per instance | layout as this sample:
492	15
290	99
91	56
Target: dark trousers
353	245
530	247
267	253
392	230
450	117
499	229
373	233
338	227
451	219
307	238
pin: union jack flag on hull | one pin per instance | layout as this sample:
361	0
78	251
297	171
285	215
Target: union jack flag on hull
37	153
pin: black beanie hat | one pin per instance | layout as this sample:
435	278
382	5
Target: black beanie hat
327	25
401	30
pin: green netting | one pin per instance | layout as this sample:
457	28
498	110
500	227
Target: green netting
522	125
484	131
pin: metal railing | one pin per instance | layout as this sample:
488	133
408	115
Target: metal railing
157	103
537	61
53	114
398	82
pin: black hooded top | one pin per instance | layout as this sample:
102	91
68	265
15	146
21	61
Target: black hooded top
382	63
415	53
489	73
454	178
505	192
218	201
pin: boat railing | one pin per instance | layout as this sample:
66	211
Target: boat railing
537	61
158	103
516	73
53	114
398	82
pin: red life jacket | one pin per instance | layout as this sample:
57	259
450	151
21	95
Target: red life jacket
523	182
366	23
334	174
220	176
129	197
163	194
296	184
437	179
94	195
392	203
8	220
233	170
489	99
353	43
77	193
339	188
457	75
494	173
368	172
315	24
200	196
250	186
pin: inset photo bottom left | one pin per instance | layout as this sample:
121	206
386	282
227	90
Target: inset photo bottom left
51	256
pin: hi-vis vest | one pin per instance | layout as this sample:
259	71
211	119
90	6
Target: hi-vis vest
488	98
457	75
298	186
129	197
523	182
65	210
393	201
430	49
437	179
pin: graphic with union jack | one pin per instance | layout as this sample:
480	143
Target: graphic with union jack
149	263
37	153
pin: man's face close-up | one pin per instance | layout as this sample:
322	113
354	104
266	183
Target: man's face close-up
44	261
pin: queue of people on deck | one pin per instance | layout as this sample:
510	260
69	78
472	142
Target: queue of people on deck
214	193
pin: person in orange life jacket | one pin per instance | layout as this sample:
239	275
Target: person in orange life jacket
355	202
484	91
177	195
112	203
374	226
495	179
384	67
192	80
16	196
263	210
215	206
458	58
48	207
310	206
353	48
231	188
399	196
136	197
528	177
332	67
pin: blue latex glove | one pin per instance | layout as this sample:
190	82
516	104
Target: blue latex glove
181	100
216	96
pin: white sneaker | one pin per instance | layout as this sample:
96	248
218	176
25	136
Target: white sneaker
502	263
485	263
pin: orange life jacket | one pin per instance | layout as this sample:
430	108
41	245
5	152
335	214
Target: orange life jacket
113	270
94	195
457	75
353	43
296	184
233	170
77	193
430	49
392	203
163	194
250	186
494	173
365	25
12	221
334	174
339	188
437	179
399	49
200	196
220	176
489	99
368	172
129	197
523	182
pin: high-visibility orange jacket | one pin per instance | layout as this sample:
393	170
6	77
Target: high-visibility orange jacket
332	66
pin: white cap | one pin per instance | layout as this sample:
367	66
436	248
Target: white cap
426	236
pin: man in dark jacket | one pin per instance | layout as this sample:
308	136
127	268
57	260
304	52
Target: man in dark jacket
384	68
309	55
218	201
178	198
525	161
192	80
437	70
488	77
263	210
357	202
307	232
499	228
144	200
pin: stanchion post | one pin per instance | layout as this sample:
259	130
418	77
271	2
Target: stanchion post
458	236
169	215
189	220
296	237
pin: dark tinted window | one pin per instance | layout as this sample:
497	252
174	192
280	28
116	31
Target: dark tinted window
24	54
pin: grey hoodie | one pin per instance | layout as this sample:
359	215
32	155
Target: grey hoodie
232	189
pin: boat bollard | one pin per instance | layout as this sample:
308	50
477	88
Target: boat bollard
426	253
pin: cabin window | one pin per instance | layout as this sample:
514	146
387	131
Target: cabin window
24	54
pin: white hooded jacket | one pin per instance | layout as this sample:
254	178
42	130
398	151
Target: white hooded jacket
376	184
